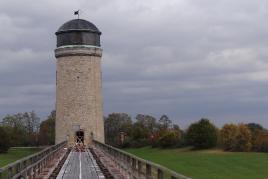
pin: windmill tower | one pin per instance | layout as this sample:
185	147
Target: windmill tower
79	108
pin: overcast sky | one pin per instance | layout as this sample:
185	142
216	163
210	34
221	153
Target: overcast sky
185	58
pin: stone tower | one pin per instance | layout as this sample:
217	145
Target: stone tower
79	115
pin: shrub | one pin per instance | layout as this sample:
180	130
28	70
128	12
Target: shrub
126	143
170	138
137	143
4	140
154	139
202	134
228	136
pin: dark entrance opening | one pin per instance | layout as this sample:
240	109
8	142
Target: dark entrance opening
79	136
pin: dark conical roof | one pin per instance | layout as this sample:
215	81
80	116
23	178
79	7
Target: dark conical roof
78	25
78	32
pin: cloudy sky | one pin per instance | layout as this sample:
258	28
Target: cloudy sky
184	58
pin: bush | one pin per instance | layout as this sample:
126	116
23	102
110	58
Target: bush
228	136
4	140
170	138
126	143
137	143
154	139
202	134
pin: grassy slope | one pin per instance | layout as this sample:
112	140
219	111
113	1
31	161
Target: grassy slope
209	164
16	154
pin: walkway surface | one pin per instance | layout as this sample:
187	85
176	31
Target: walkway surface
80	165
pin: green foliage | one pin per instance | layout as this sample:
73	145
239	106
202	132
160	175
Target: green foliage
4	140
138	143
169	138
164	122
140	132
22	128
115	124
47	130
254	127
147	122
202	134
126	143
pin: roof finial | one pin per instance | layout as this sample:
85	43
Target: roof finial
77	13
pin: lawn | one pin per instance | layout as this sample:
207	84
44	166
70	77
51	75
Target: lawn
208	164
16	154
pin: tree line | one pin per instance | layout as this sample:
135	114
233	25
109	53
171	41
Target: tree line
146	130
26	129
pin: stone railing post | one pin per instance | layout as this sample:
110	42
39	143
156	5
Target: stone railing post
148	171
160	174
139	168
9	172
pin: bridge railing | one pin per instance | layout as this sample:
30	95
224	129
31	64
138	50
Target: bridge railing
32	165
136	167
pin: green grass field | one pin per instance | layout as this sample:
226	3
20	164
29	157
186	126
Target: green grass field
208	164
16	154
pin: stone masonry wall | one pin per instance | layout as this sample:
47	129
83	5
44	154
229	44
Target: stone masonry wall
78	98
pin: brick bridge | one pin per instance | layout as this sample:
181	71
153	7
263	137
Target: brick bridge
101	161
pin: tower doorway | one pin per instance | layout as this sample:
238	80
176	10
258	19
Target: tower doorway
79	135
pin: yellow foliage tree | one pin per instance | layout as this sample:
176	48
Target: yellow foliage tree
228	135
243	138
236	137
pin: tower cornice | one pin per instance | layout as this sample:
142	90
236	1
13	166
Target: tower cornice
78	50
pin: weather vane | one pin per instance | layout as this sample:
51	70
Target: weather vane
77	13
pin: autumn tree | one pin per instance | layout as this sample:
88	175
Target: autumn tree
170	138
236	137
228	135
243	138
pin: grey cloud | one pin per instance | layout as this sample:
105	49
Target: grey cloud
188	59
